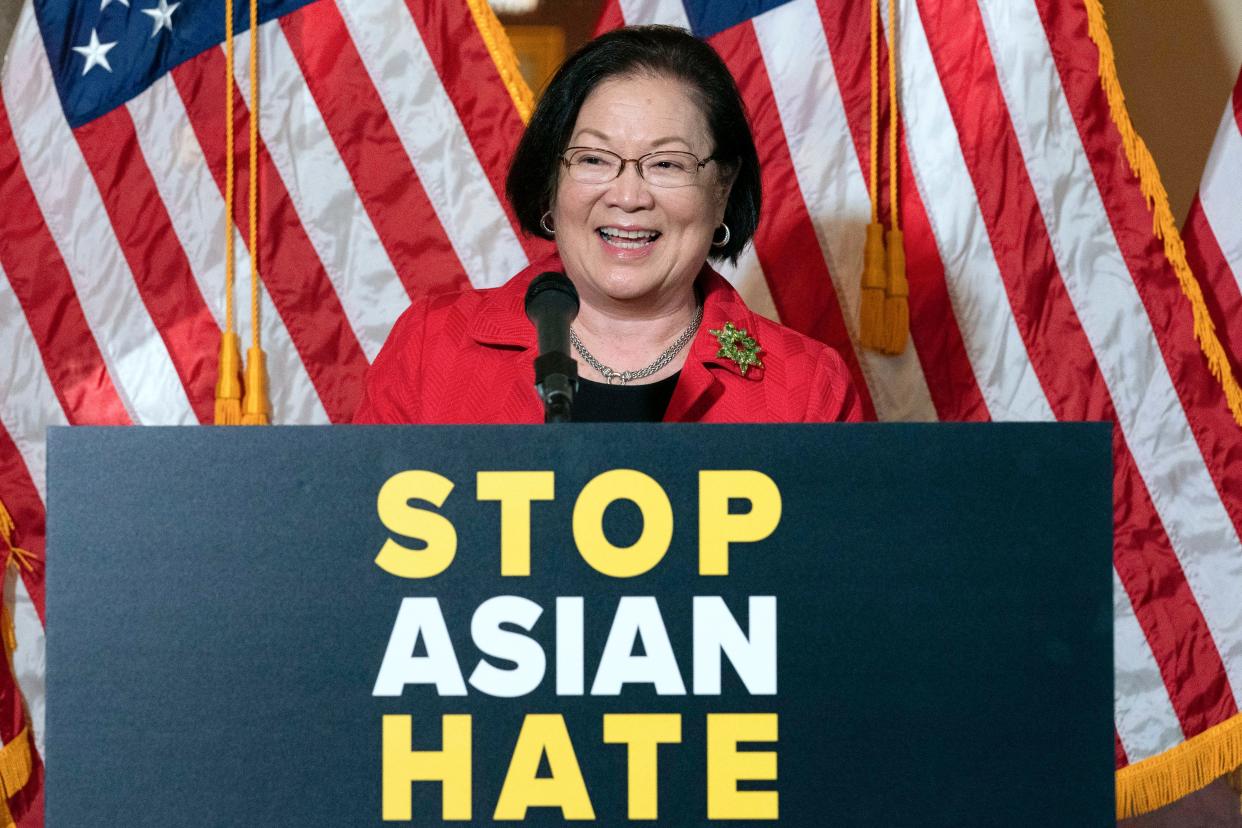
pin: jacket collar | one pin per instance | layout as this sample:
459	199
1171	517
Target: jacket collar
501	320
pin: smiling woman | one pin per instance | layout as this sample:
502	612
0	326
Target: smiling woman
640	165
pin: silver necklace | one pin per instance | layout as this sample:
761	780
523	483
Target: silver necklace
622	377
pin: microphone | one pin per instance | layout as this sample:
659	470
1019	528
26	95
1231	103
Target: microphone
551	304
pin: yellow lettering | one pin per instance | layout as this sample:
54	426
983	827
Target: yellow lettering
564	789
718	528
450	766
515	490
595	548
726	765
643	733
397	515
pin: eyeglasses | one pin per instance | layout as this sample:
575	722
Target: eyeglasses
670	168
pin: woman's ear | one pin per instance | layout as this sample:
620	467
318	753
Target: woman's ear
724	185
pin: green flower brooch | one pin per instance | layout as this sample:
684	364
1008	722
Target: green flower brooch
737	345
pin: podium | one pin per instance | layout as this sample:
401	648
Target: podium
671	624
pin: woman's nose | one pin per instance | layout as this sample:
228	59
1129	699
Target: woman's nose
629	190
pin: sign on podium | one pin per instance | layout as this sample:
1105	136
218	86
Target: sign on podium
687	625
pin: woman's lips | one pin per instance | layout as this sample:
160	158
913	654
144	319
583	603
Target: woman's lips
627	243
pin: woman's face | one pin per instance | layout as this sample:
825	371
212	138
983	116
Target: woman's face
632	116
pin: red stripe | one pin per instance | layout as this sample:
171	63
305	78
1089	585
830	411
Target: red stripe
386	181
1237	102
610	18
1062	358
933	327
160	269
291	270
786	244
1218	435
1220	284
41	282
21	498
473	83
1119	752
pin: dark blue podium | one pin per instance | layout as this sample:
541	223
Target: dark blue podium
880	625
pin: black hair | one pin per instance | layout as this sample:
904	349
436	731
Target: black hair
662	51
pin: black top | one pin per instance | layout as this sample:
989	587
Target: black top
598	402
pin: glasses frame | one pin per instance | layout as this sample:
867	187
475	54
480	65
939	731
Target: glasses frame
638	165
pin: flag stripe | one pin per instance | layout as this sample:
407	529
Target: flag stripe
1113	317
748	278
1146	723
134	352
387	184
816	127
321	193
404	75
196	210
1219	280
161	270
41	283
470	77
1047	315
1213	233
983	359
1222	202
27	413
1166	323
300	289
808	303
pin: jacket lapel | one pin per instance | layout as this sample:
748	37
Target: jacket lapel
700	387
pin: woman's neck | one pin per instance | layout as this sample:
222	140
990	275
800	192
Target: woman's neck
628	337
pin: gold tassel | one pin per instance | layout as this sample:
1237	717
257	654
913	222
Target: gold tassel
16	765
896	297
871	312
255	408
228	382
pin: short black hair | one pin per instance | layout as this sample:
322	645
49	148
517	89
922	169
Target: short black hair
662	51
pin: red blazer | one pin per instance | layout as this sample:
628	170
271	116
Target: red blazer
468	358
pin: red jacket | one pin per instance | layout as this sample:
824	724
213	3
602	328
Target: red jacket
468	358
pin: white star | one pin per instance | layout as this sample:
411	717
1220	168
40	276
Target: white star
103	4
96	53
162	15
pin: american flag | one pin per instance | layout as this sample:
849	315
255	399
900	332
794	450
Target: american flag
386	127
1037	292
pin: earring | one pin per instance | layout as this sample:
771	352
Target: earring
543	222
726	238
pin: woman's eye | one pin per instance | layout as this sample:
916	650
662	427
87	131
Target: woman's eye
667	164
591	160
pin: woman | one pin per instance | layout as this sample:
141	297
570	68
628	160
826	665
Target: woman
639	164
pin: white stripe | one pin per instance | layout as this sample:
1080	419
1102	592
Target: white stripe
323	195
747	277
1144	715
1107	303
132	349
829	174
196	210
30	657
668	12
994	346
28	403
421	112
1221	191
